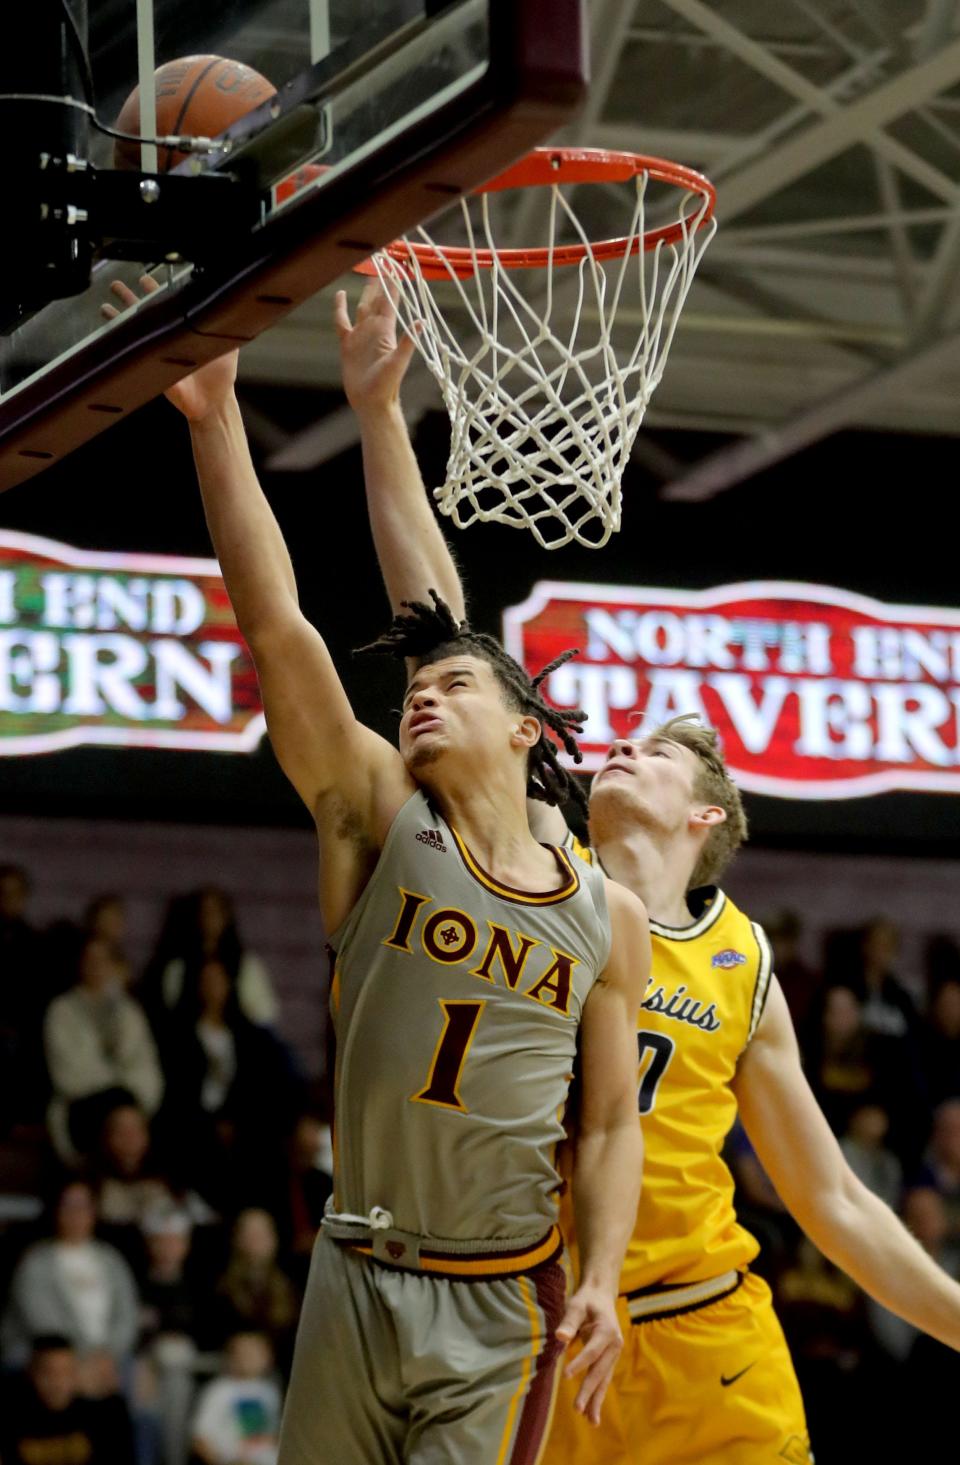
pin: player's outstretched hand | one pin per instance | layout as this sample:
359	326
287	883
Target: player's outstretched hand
591	1316
204	389
372	361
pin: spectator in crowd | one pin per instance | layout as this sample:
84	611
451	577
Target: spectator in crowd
23	994
940	1170
822	1314
940	1042
237	1420
310	1183
867	1155
97	1043
79	1288
200	927
799	981
232	1095
129	1184
105	919
925	1214
888	1009
19	942
46	1420
171	1295
843	1063
942	962
254	1292
173	1298
921	1369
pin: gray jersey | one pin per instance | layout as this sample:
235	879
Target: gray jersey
456	1002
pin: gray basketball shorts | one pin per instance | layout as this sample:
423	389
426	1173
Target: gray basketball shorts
401	1368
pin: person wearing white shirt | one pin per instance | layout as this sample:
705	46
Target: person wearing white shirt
237	1417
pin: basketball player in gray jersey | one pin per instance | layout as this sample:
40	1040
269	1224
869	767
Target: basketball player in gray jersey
473	966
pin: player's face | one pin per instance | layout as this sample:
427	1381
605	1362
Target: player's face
651	779
453	709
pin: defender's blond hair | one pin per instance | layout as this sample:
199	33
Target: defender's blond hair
713	785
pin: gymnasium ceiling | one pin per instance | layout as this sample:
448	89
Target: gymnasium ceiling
829	298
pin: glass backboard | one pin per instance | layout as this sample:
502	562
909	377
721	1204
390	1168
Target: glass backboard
383	112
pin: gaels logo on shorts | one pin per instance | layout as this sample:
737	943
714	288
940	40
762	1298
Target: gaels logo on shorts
728	959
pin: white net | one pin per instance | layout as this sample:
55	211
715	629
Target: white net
546	374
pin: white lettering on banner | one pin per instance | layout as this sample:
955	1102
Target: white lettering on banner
816	692
835	720
671	694
596	689
754	724
208	685
97	647
28	665
100	669
8	586
102	603
178	608
907	720
666	639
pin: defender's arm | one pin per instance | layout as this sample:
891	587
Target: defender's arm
411	549
608	1153
848	1223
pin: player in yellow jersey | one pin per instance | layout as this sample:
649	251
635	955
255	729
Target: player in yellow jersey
705	1377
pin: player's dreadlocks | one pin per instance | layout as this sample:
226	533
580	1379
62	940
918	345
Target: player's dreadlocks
430	633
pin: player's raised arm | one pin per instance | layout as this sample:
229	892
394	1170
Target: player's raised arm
845	1220
321	746
411	549
608	1147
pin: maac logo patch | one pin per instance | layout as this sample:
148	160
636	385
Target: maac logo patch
729	958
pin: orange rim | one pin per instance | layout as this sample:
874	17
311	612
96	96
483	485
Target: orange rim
546	166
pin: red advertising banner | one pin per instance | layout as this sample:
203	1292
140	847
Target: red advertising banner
132	650
817	693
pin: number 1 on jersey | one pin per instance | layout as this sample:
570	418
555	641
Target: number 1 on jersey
662	1049
459	1026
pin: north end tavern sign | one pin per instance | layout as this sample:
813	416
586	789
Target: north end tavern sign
817	693
123	649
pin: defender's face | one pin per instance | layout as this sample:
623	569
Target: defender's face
653	778
453	707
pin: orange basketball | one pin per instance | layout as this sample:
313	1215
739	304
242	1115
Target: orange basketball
197	95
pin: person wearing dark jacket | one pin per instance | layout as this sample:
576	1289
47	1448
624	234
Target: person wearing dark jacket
232	1096
44	1418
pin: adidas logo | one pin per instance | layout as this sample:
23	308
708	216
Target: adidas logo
432	838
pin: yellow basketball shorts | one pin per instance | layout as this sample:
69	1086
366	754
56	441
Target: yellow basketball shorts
711	1386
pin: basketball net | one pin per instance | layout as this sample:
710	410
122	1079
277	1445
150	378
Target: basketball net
544	389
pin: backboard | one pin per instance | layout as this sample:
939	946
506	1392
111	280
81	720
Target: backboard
384	112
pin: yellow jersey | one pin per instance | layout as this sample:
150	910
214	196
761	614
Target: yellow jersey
705	997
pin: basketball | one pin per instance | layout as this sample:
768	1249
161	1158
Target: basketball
196	95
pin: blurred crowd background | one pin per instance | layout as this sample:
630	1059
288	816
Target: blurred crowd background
165	1159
